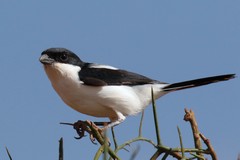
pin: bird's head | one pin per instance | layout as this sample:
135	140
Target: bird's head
60	63
59	55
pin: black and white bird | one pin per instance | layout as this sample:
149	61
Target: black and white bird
106	91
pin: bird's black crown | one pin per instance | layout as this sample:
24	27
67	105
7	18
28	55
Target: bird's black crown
63	55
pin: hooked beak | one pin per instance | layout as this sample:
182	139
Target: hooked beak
45	59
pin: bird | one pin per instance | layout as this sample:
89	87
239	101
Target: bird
106	91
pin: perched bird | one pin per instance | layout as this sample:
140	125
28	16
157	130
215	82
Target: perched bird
106	91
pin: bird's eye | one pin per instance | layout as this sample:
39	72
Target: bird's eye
64	57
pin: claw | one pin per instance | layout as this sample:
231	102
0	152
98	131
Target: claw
79	137
82	127
93	139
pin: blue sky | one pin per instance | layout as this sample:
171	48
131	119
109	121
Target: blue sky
166	40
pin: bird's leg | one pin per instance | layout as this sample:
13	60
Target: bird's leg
117	119
106	125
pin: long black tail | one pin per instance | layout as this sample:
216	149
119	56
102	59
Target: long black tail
198	82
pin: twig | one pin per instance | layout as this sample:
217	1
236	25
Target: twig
178	153
99	153
156	154
135	152
114	138
106	147
9	155
135	140
61	149
181	142
196	156
140	126
190	117
174	152
210	147
96	133
156	119
170	151
165	156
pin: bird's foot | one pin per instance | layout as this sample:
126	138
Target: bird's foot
91	128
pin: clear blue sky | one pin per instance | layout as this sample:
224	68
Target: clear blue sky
166	40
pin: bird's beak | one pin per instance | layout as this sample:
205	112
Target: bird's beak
45	59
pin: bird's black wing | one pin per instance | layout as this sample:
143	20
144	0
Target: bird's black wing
104	76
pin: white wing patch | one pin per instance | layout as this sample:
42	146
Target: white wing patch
102	66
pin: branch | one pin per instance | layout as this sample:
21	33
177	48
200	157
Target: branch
99	153
140	126
61	149
181	142
9	155
190	117
156	119
179	153
135	140
168	151
114	138
210	147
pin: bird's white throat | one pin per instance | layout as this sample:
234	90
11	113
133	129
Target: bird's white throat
60	71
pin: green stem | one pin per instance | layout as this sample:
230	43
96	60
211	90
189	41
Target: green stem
140	126
197	156
165	156
113	154
105	145
135	140
156	154
114	138
181	142
101	140
186	150
99	152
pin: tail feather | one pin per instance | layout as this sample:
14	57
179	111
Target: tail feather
197	82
